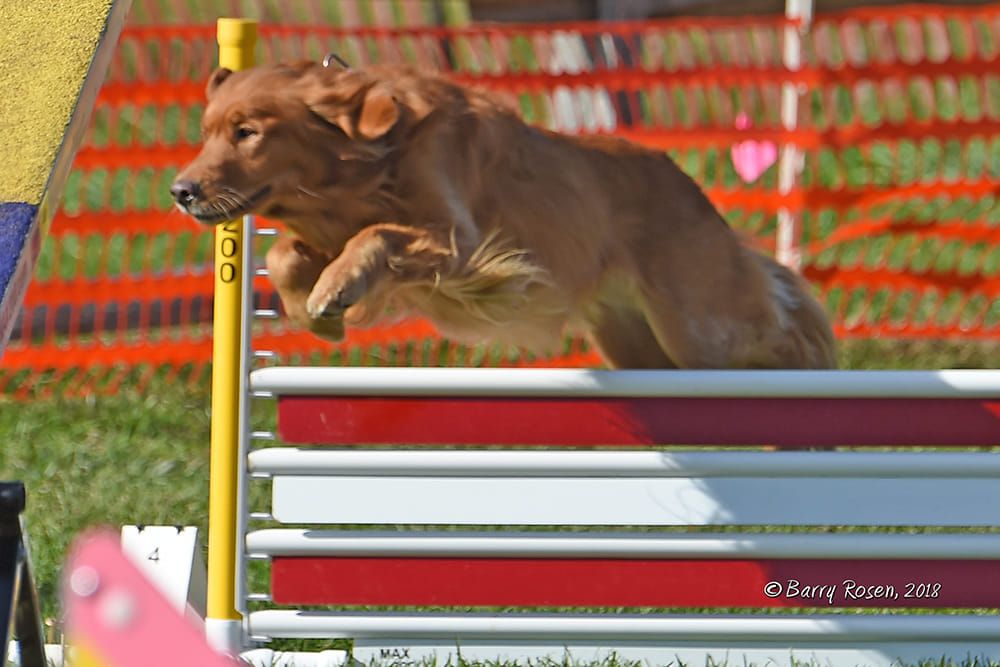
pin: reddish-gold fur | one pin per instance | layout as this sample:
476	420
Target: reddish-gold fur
405	193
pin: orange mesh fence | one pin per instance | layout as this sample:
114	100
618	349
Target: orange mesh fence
897	196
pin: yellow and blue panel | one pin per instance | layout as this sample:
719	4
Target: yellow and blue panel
53	56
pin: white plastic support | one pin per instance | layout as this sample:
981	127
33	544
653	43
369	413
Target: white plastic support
245	433
222	634
265	657
596	629
170	558
311	542
579	383
312	462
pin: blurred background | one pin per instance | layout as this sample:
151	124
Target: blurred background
610	10
874	128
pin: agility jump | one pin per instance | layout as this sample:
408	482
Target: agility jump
581	487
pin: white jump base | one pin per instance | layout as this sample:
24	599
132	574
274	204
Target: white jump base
841	641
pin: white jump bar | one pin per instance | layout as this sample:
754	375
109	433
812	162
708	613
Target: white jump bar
567	627
539	382
332	463
444	544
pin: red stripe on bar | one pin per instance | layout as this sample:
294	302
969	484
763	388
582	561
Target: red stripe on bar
635	583
790	422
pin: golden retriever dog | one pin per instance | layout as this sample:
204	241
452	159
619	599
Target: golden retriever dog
404	193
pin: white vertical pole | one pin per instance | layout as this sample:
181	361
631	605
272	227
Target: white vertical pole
790	165
243	441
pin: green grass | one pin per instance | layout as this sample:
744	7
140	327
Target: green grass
110	460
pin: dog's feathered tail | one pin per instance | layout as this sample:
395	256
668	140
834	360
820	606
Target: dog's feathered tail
801	317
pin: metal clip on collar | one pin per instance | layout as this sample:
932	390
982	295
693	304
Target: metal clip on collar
333	57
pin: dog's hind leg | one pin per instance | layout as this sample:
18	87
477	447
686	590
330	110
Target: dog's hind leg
625	340
690	342
698	322
762	318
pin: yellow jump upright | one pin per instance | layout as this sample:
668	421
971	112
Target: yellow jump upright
223	623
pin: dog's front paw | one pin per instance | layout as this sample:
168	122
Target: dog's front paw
329	328
335	292
324	307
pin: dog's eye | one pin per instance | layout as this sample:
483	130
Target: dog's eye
244	132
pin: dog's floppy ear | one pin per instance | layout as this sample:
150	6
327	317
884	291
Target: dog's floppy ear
214	81
379	113
372	119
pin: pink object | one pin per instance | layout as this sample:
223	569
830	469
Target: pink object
114	613
751	158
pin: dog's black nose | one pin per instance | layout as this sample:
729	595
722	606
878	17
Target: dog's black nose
185	192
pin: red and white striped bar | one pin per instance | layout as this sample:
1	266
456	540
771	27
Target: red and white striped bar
631	569
581	408
573	582
600	488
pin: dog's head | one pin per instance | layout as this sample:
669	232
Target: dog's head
288	140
